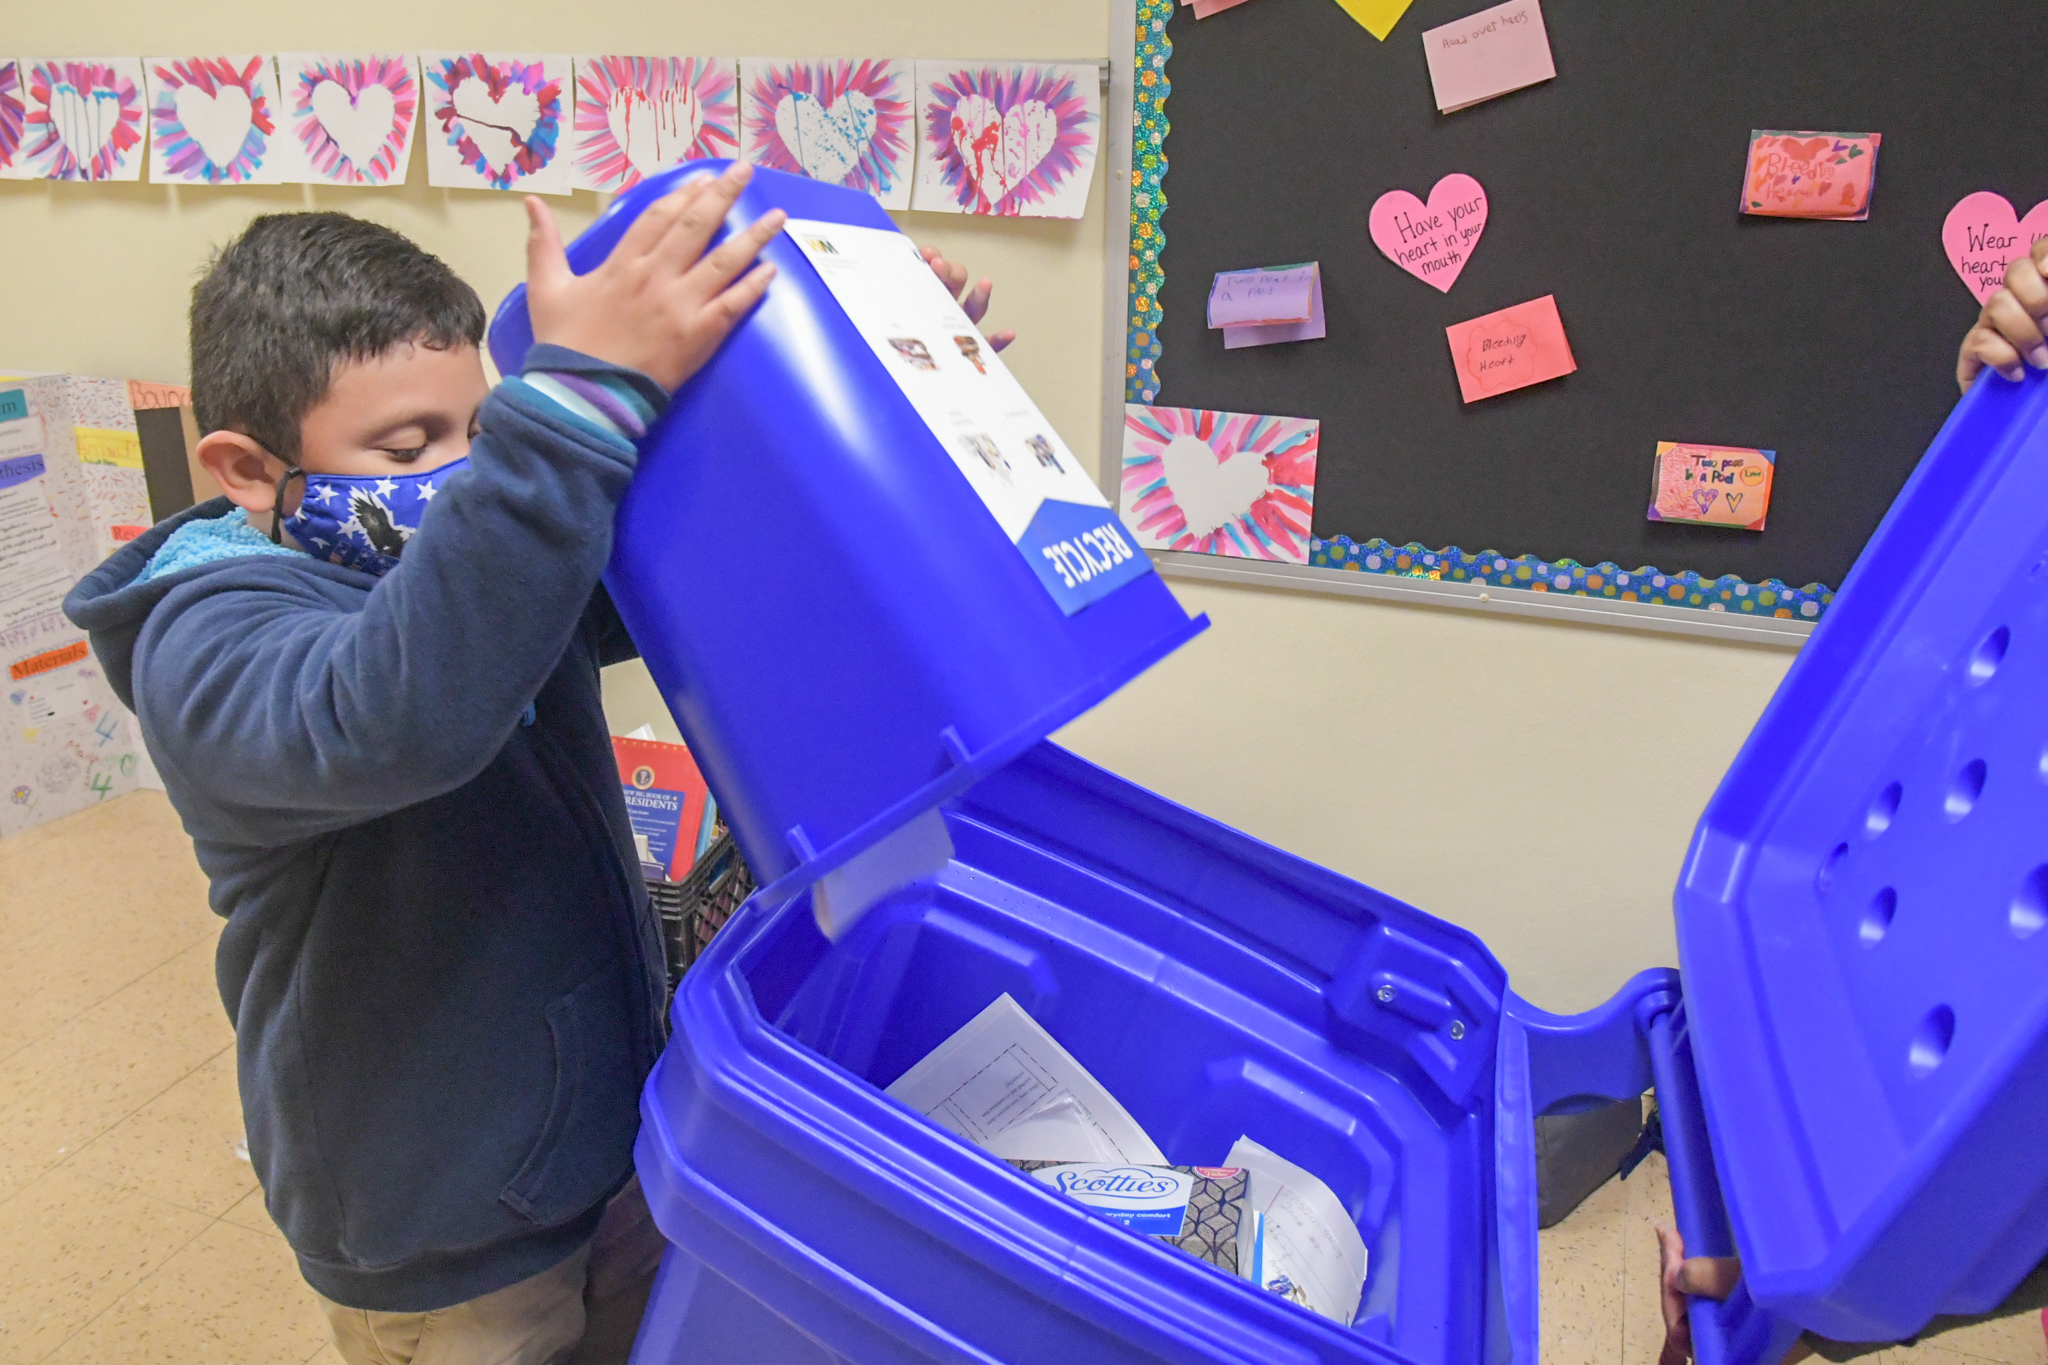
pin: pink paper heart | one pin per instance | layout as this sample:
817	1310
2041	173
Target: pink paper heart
1431	241
1982	236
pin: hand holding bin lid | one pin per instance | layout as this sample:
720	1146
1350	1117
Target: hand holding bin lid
862	569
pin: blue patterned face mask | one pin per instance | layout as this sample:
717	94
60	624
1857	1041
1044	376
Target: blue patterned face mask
363	521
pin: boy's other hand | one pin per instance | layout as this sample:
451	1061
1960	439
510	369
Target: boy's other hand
2009	334
953	275
660	303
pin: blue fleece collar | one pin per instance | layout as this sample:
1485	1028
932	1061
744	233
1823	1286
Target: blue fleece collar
206	539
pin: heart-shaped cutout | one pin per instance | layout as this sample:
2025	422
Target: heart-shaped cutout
1982	236
1431	241
218	120
1001	148
499	125
657	130
358	125
85	122
828	141
1211	492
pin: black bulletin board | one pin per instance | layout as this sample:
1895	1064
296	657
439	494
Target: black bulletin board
1613	187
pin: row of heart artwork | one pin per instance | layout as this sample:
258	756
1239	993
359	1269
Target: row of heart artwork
1003	138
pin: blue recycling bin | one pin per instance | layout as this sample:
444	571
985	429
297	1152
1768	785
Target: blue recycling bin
1853	1074
843	632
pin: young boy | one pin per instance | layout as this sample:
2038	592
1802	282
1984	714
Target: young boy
381	724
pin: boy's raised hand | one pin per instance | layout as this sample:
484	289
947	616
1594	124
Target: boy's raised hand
2012	330
660	303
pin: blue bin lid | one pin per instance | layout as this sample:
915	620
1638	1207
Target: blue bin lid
1859	917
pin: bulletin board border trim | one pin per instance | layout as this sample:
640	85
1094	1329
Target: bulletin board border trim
1644	598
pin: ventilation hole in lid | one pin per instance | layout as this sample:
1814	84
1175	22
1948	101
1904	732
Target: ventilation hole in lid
1931	1040
1877	917
1964	791
2029	910
1984	662
1825	878
1879	819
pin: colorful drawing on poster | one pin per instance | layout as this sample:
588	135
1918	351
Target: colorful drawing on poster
84	119
212	120
1012	141
1510	349
639	115
1431	241
1376	17
13	123
348	118
1982	236
1810	175
1712	485
1219	483
844	121
1487	55
498	121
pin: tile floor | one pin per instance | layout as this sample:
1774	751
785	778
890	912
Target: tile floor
130	1230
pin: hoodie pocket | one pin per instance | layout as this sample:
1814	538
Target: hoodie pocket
585	1146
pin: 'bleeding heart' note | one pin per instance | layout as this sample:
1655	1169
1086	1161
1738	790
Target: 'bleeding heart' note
1810	175
1511	349
1712	485
1431	241
1982	236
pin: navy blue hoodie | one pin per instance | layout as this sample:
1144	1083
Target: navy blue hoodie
439	958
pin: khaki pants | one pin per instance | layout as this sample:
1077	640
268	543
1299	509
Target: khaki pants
584	1311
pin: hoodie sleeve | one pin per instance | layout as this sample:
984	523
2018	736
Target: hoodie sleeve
304	705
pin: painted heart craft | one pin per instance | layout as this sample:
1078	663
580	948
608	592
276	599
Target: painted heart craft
84	120
1000	148
827	140
1212	488
1983	235
501	124
654	131
1431	241
359	124
217	120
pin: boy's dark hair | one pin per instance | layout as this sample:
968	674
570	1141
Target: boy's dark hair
298	294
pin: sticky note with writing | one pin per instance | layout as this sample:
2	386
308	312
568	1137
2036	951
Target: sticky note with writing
1511	349
1260	307
1487	54
1810	175
1712	485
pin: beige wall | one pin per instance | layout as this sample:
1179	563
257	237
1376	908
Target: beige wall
1536	783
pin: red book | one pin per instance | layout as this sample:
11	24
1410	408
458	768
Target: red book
667	801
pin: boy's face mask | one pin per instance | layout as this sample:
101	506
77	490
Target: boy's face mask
363	521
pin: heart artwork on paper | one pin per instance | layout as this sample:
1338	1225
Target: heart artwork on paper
1212	488
360	125
1983	235
218	120
1001	148
84	122
654	130
1431	241
828	141
499	125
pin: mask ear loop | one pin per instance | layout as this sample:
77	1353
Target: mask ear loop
277	518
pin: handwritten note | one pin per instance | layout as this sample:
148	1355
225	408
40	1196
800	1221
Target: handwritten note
1712	485
1487	54
1205	8
1982	236
1810	175
1273	304
1431	241
1511	349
